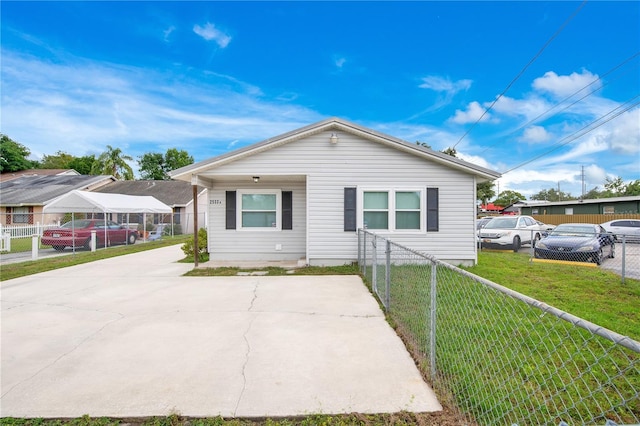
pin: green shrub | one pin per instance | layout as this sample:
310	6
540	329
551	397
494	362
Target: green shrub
188	247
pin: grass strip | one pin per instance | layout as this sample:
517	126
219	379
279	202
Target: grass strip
21	269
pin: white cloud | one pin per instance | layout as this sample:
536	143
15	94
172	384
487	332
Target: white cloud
81	106
339	61
210	32
473	112
565	85
535	134
623	136
442	84
166	33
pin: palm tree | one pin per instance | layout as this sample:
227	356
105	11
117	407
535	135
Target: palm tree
113	162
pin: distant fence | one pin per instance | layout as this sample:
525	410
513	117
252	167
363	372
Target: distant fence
501	357
557	219
24	231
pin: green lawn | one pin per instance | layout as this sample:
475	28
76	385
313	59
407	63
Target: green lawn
504	362
15	270
594	294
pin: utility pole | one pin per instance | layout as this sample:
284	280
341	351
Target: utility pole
559	196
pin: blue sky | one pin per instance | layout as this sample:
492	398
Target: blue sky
209	77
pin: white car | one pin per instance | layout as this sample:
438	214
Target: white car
630	228
510	232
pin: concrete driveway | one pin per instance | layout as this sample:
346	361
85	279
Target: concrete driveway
129	336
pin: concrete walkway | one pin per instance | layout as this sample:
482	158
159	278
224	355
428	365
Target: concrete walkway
129	336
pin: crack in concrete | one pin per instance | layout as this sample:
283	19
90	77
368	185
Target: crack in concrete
248	352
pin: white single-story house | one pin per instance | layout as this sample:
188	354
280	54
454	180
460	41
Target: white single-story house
304	194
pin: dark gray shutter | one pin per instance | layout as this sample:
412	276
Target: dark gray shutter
287	210
230	209
350	212
432	210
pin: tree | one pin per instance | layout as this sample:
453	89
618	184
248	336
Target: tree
174	159
633	188
508	197
152	166
113	162
60	160
593	194
614	187
552	194
155	166
82	165
485	192
14	156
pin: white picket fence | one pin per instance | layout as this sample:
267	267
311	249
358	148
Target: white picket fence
8	232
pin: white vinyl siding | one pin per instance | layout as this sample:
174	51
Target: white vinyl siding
322	170
257	243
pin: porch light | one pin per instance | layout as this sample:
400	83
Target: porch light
334	138
256	179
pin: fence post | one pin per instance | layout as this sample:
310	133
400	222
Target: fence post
387	278
624	256
34	246
374	265
364	253
93	240
432	323
359	238
7	241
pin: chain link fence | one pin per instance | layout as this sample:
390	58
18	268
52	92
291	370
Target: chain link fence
500	357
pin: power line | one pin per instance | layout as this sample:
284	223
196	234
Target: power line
535	119
522	71
583	131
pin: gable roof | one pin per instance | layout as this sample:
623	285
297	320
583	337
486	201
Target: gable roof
39	190
171	192
335	124
36	172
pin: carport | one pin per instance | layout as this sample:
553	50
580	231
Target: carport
94	202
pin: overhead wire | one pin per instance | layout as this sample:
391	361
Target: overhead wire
582	131
558	31
599	78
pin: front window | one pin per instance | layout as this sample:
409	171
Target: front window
21	215
259	210
393	210
376	210
408	210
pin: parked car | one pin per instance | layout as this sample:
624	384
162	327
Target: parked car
78	233
579	242
630	228
510	232
480	223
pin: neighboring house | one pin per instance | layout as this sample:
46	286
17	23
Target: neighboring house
629	204
37	172
176	194
22	198
490	208
304	194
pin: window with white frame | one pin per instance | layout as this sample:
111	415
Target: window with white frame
259	209
407	210
375	211
401	210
